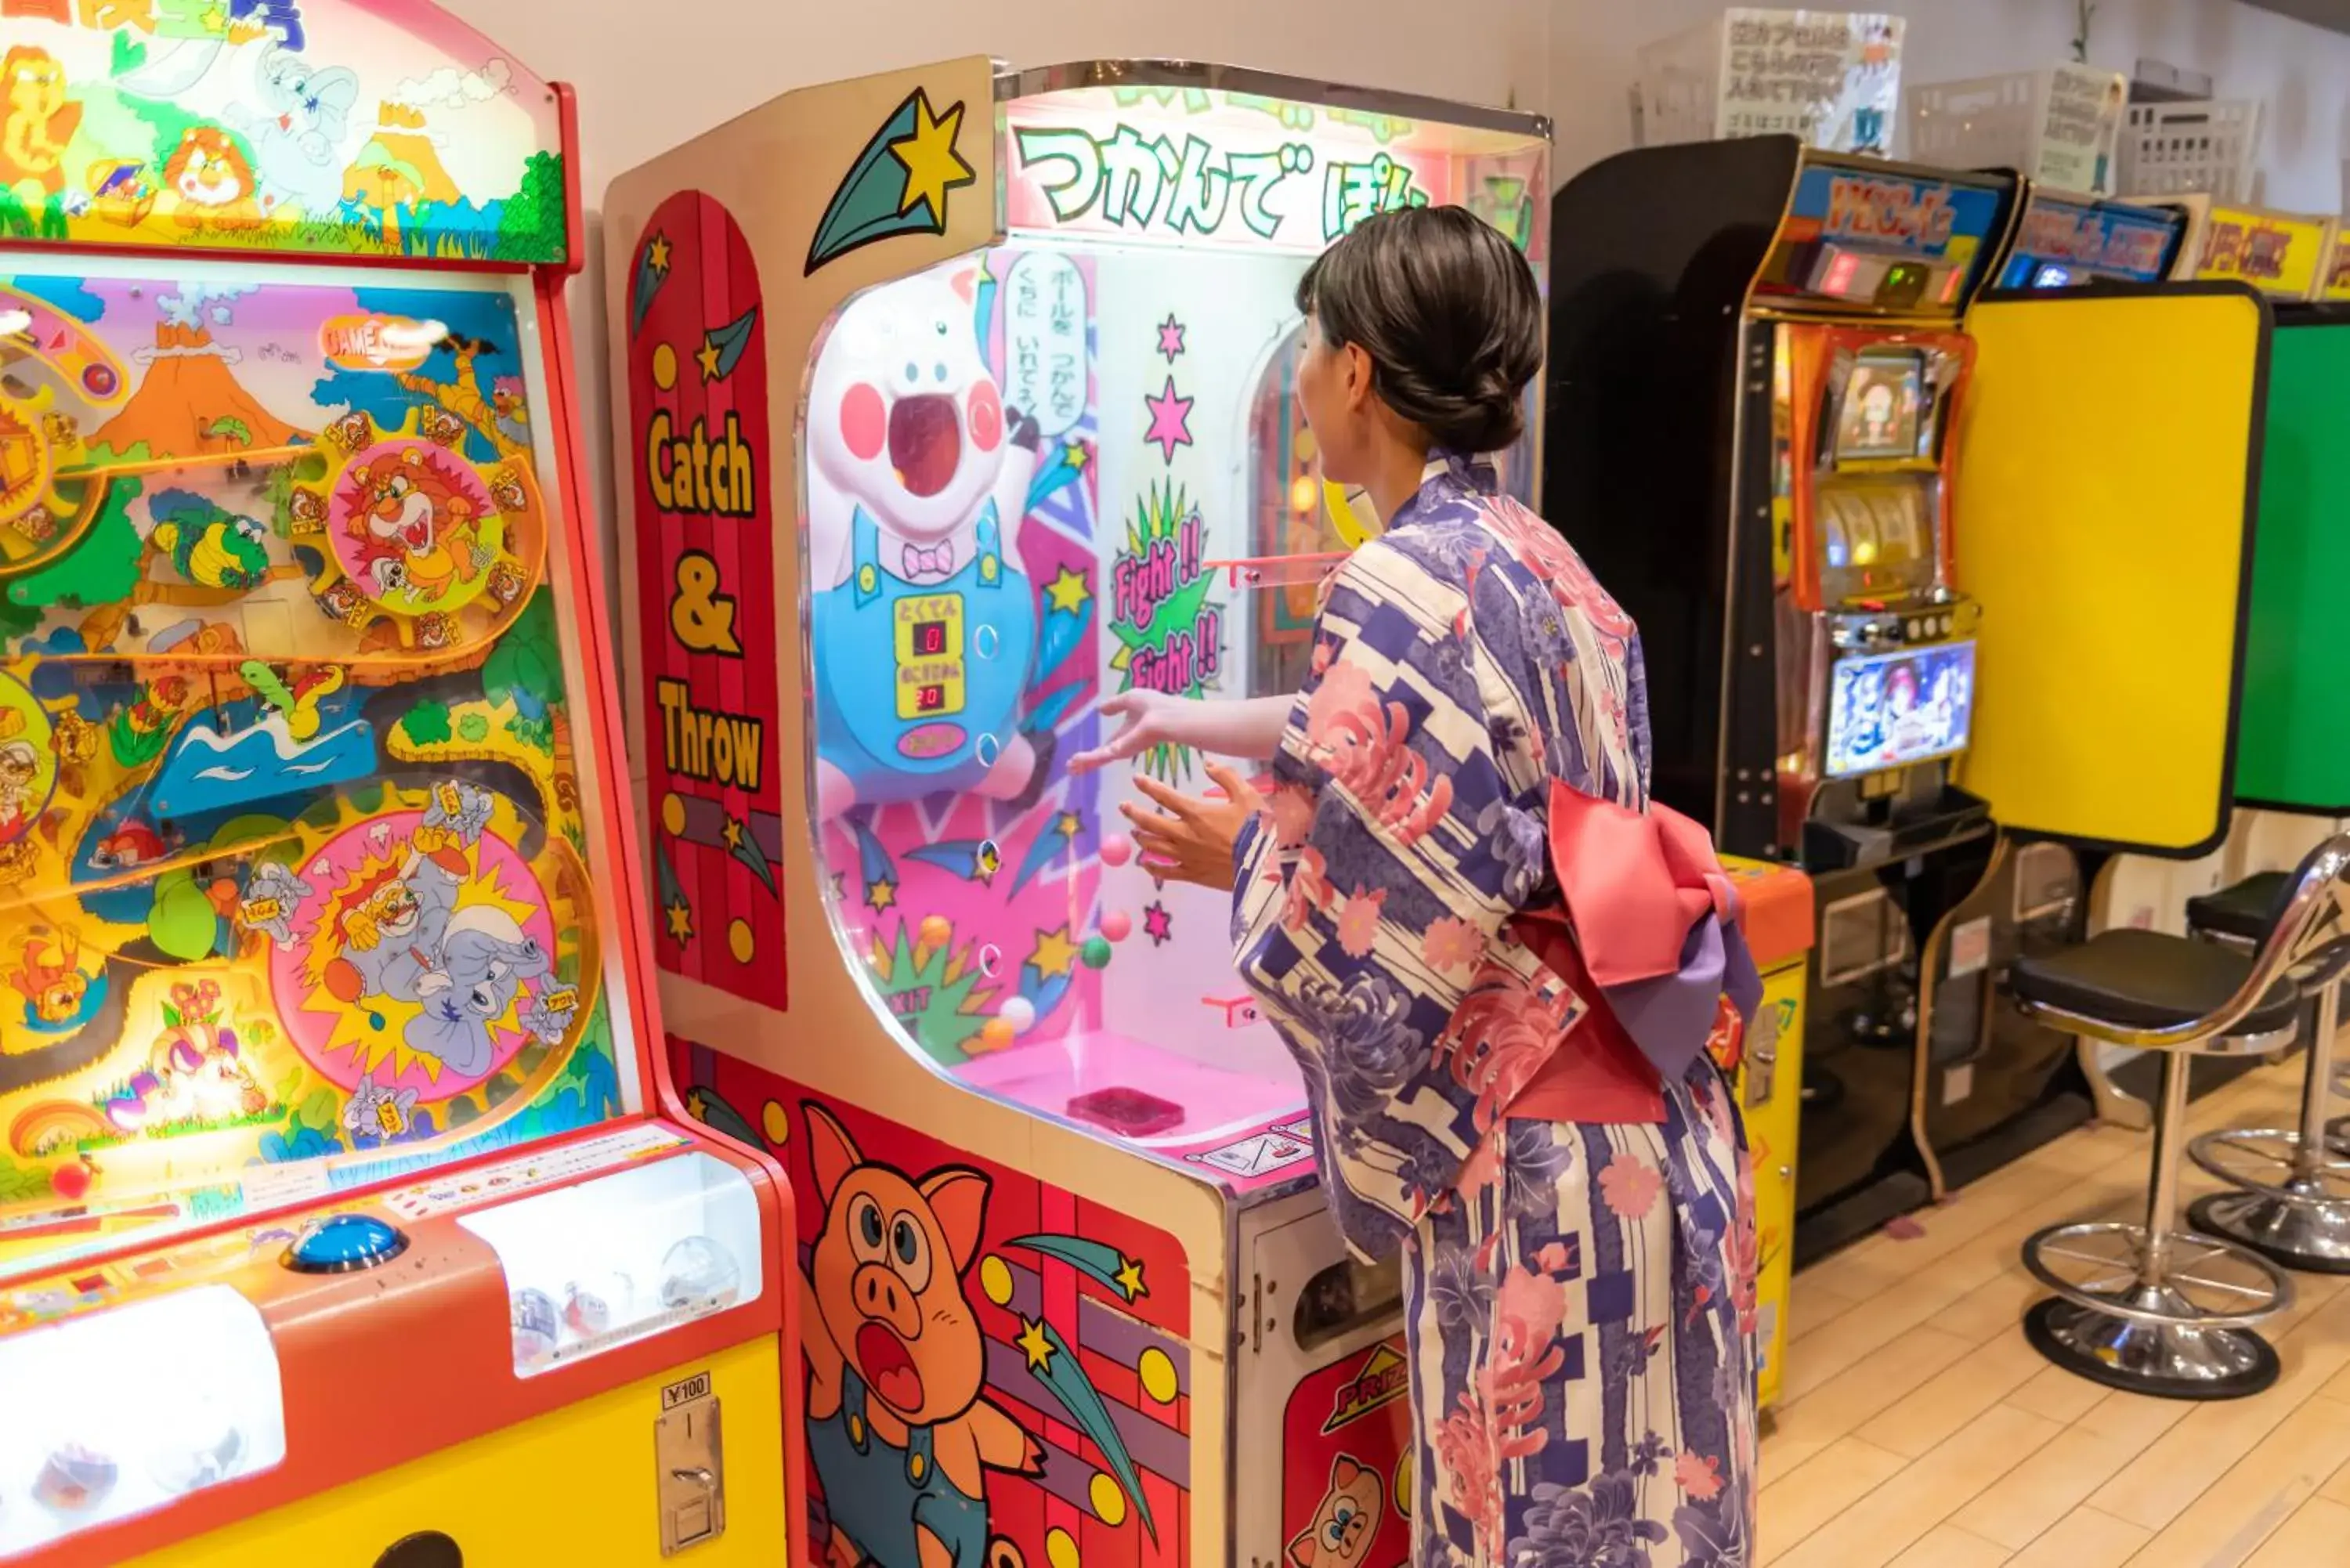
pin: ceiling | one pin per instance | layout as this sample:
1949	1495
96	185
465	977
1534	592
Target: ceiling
2329	13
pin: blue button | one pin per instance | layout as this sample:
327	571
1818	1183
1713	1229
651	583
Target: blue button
343	1243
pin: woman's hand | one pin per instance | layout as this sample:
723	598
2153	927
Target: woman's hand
1152	719
1192	839
1250	728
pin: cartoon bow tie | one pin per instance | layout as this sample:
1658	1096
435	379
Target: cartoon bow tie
937	562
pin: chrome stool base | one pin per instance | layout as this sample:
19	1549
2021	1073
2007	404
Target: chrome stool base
2176	1325
2164	1362
2300	1231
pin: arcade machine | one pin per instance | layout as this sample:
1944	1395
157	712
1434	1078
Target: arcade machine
1756	353
2286	257
1021	368
1756	364
2293	764
1996	1083
346	1212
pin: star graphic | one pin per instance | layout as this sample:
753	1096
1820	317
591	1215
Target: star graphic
1128	1278
732	834
680	921
1068	824
1032	1341
879	894
932	165
1067	590
1171	338
1157	925
1170	421
1056	954
1076	454
657	254
707	357
985	861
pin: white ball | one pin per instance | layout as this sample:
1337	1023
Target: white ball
1018	1012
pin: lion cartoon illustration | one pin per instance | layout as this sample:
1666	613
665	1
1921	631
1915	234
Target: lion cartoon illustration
212	181
38	123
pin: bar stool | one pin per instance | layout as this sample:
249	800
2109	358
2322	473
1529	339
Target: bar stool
2292	1202
2151	1308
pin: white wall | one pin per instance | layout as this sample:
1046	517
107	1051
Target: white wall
651	77
2301	73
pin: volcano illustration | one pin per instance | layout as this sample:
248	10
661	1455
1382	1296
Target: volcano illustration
190	403
400	166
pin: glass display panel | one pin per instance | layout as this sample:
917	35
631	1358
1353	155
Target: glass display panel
116	1412
296	889
596	1265
1065	451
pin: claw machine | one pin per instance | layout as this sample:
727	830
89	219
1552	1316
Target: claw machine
983	415
345	1212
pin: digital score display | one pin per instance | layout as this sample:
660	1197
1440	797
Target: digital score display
930	675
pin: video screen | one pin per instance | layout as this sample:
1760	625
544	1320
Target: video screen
1883	402
1888	710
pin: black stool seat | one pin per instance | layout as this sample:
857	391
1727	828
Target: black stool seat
2149	979
2246	911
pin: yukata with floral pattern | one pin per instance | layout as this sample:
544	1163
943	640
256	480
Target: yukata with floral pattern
1579	1295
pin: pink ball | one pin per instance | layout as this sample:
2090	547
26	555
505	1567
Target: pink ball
1117	849
1118	925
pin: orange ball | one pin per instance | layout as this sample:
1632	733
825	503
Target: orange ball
995	1034
935	929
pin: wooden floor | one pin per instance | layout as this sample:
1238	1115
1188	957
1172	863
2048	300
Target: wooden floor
1918	1430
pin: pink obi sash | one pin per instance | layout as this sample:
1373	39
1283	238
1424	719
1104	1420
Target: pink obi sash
1647	932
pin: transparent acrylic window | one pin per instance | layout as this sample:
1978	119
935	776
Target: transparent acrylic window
595	1266
123	1411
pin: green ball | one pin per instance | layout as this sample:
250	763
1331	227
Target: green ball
1095	953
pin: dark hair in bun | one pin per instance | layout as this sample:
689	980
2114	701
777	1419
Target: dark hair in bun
1448	311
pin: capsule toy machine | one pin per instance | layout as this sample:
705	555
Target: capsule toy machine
1021	346
1756	365
345	1214
1768	1079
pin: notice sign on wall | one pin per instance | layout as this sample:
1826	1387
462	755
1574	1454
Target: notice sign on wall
1833	77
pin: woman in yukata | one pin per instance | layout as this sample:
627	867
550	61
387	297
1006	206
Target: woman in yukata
1508	980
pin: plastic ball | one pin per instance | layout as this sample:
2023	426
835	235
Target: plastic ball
1117	849
1019	1013
1096	954
1118	925
193	1445
935	931
995	1035
591	1306
536	1328
70	1181
698	1272
75	1479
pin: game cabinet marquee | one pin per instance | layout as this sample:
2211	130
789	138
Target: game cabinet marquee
377	128
1168	152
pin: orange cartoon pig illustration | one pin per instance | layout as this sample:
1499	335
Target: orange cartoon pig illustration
1345	1523
899	1429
